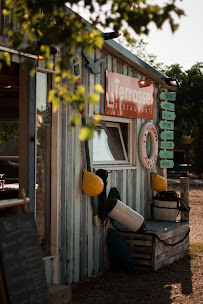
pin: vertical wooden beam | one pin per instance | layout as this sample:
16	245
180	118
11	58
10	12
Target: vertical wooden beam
184	194
32	142
23	129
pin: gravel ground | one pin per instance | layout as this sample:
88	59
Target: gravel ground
178	283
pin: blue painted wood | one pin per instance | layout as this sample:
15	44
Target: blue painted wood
32	144
70	207
139	168
129	188
134	186
119	67
124	186
83	219
63	196
77	201
103	83
119	187
47	266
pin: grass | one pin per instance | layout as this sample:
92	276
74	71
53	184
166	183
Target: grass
196	250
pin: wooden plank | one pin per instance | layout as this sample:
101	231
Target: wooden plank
141	249
124	187
83	222
162	248
138	242
141	255
168	115
55	191
167	145
171	240
63	196
77	196
165	154
32	143
103	83
23	131
129	187
164	235
184	194
167	125
168	96
138	172
166	163
169	261
70	203
167	106
98	78
142	262
169	135
136	236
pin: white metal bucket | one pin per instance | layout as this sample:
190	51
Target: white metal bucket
165	210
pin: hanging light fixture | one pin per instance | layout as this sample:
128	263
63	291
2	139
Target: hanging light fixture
35	50
171	82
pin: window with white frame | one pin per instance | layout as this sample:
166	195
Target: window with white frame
112	144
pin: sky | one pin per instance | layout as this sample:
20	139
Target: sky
185	46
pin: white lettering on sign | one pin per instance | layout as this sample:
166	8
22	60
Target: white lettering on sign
129	94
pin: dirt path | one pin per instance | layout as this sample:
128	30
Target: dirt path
178	283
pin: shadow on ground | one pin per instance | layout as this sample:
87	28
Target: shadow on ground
153	287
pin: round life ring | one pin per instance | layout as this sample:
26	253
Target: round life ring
148	162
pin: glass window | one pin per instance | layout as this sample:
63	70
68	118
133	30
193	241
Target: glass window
43	163
110	145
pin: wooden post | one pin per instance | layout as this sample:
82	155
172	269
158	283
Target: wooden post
184	195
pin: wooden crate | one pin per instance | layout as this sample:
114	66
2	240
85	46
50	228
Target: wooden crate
159	247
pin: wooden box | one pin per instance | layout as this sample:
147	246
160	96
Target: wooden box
162	244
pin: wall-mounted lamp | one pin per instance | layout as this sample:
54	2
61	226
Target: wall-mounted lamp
35	50
171	82
144	83
110	35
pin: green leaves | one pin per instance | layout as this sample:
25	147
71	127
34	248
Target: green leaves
47	24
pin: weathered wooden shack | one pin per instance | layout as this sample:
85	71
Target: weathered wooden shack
51	158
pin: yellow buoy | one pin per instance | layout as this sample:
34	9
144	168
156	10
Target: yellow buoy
92	184
159	183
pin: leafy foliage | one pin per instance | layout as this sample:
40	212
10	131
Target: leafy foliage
51	23
139	48
189	112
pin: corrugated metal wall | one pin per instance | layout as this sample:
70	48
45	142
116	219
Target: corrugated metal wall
83	250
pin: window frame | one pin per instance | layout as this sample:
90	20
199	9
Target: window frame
124	164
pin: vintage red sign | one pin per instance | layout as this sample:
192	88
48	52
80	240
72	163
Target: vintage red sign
129	97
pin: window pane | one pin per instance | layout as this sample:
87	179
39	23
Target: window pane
107	146
43	168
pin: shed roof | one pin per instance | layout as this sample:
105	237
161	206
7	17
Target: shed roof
118	50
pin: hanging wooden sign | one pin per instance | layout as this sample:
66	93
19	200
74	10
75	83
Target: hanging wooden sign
167	125
166	163
167	135
168	96
165	154
167	145
168	115
167	106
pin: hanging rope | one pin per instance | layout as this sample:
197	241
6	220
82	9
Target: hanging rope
168	244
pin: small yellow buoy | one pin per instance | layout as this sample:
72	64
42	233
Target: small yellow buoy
159	183
92	184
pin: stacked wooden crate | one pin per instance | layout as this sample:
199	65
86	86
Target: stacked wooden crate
154	249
